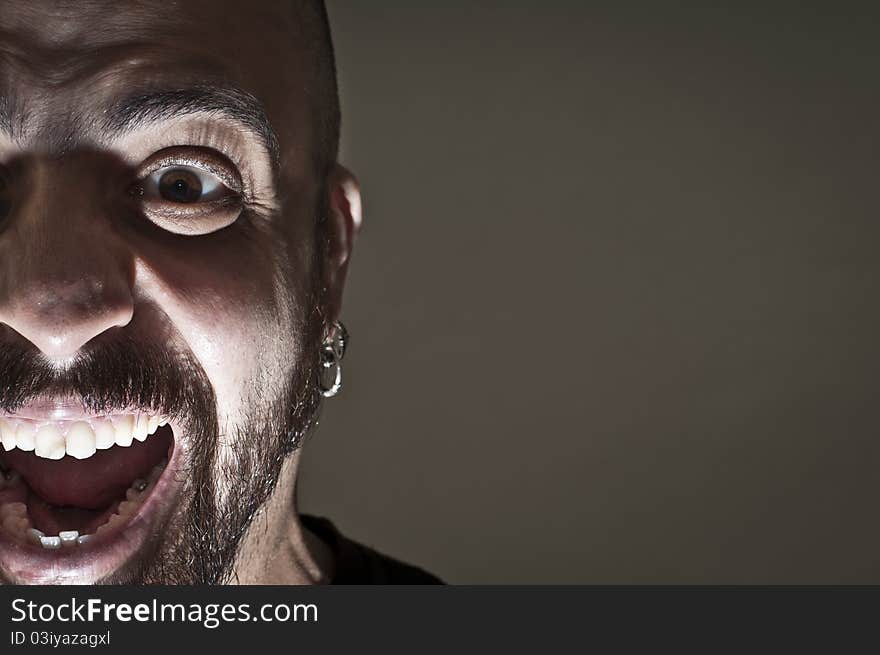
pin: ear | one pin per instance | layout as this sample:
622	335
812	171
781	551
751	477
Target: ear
344	218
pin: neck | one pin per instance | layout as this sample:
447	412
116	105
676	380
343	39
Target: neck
276	548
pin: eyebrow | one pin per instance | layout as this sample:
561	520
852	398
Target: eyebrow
227	102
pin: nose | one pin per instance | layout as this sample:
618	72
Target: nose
60	315
64	277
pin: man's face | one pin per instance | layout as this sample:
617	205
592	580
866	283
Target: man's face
165	282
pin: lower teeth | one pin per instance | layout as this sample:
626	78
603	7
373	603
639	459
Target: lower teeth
15	521
50	543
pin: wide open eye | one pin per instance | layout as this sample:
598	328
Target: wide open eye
190	191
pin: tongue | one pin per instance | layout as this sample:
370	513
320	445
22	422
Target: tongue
95	482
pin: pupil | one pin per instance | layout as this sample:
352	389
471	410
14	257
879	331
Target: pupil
180	186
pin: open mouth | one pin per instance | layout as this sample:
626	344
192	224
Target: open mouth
80	493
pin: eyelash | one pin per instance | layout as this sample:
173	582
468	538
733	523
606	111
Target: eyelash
257	189
172	161
207	138
206	159
200	216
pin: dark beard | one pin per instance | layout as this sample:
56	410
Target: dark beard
201	539
206	534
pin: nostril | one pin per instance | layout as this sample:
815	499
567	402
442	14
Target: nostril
59	324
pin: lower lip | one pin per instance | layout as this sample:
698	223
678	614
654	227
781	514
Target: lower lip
105	554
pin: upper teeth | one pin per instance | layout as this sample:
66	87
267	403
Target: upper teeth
77	438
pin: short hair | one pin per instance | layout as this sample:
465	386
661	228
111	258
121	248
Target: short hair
325	98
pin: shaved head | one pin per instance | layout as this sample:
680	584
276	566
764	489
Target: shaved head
327	113
173	224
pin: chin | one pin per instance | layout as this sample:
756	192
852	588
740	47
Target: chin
85	497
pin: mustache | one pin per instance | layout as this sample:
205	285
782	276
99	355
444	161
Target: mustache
107	375
145	375
200	542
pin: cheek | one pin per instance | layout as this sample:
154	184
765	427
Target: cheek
227	296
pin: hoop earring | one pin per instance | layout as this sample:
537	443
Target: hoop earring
332	351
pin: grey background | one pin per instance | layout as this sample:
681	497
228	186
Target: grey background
614	309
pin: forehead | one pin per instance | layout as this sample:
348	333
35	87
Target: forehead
61	62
